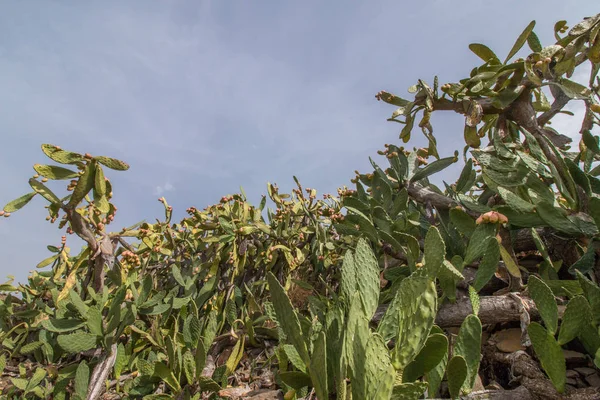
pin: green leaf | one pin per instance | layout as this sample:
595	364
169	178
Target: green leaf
84	185
294	357
520	41
177	275
556	218
592	294
120	361
489	263
534	42
590	142
450	269
100	181
236	355
47	261
82	378
405	132
577	313
463	221
37	377
210	329
418	308
31	347
77	342
544	300
94	321
112	163
484	52
474	298
539	244
19	203
595	210
62	324
586	262
379	372
513	178
388	326
433	168
468	345
435	375
573	89
434	351
468	202
78	303
367	275
354	343
61	156
155	310
200	357
506	97
465	179
509	262
20	383
162	371
318	367
584	26
189	366
409	391
43	190
550	354
287	317
514	201
435	251
5	287
208	384
457	375
393	99
366	225
477	244
558	287
296	379
55	172
192	329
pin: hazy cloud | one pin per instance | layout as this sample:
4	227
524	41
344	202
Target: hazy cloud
167	187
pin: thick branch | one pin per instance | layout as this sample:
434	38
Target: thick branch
424	195
100	374
492	310
520	393
457	106
81	228
560	100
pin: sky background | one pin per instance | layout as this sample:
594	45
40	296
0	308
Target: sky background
203	97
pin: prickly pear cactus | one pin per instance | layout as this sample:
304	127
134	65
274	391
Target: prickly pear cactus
346	288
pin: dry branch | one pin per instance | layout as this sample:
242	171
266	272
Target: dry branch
492	310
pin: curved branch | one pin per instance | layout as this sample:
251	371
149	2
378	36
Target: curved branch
427	196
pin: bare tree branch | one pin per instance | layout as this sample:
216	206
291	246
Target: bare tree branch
492	309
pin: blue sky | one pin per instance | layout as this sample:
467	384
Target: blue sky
201	97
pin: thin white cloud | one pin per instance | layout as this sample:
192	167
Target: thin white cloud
167	187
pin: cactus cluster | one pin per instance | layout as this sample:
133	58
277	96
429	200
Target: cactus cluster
352	296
